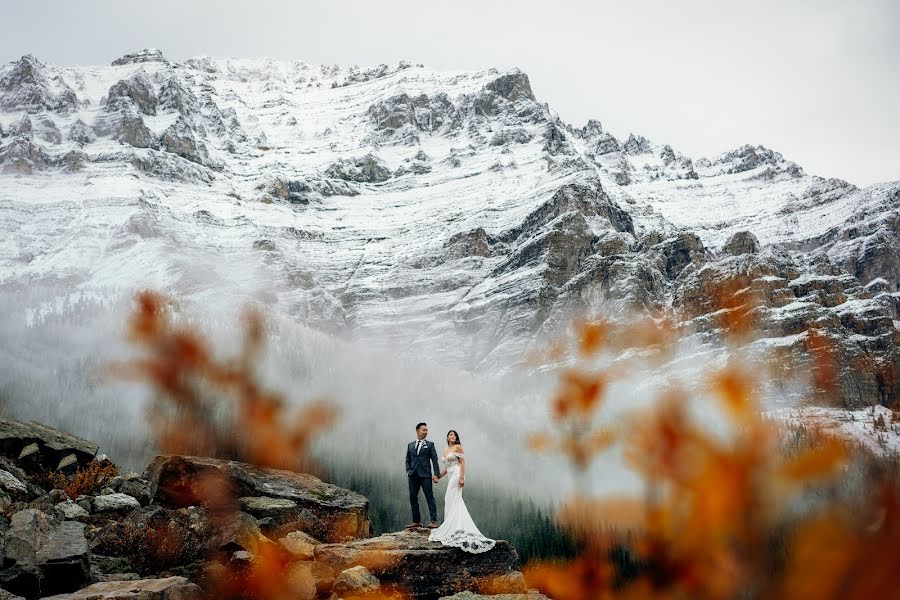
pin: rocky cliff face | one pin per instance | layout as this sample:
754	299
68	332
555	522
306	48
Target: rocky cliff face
451	212
190	528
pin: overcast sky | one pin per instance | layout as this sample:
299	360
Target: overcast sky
818	80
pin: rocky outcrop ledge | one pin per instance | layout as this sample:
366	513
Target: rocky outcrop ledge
187	524
406	560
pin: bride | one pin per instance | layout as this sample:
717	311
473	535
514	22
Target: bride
458	529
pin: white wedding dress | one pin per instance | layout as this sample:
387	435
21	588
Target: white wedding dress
458	529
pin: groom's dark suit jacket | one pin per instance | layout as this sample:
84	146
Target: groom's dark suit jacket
418	463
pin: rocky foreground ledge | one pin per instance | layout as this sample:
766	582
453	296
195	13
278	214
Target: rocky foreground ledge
73	528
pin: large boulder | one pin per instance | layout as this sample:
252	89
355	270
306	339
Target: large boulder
531	595
33	444
118	503
355	581
44	556
169	588
13	486
301	545
298	501
427	569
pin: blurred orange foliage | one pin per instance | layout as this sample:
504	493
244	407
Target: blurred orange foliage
208	406
252	425
719	515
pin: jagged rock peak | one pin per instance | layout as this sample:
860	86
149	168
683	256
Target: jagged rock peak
25	86
512	86
636	144
747	157
591	129
141	56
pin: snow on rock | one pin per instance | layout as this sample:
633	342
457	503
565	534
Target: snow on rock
450	212
877	428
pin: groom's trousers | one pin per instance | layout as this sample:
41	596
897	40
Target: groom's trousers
415	483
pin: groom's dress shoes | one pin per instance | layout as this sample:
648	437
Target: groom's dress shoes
413	525
433	525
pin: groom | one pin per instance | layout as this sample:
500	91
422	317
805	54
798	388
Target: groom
420	457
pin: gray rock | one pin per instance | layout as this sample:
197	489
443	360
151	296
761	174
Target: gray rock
667	154
136	486
407	559
301	581
44	556
52	444
135	91
24	157
174	96
12	485
179	138
26	87
56	496
587	198
605	144
29	450
170	167
73	161
355	581
23	126
742	242
512	86
365	169
4	595
328	512
678	252
241	532
141	56
67	464
115	502
300	544
99	577
278	510
813	304
400	118
530	595
635	145
169	588
470	243
747	157
131	130
81	133
563	248
71	511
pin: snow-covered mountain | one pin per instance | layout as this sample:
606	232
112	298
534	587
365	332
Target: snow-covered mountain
451	213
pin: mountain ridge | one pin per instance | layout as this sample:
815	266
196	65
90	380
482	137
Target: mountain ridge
449	211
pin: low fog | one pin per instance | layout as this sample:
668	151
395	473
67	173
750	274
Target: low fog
56	343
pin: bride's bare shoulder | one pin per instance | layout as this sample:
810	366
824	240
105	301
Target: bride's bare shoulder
458	448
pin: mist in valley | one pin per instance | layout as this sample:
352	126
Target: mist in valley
58	344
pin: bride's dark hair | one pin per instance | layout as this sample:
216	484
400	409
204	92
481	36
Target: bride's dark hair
457	437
